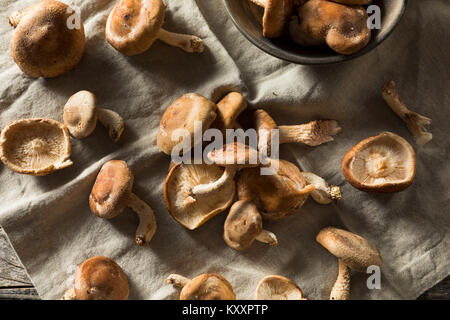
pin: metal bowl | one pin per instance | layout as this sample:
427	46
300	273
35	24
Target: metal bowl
247	18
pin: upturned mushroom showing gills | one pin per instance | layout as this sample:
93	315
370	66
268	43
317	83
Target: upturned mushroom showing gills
99	278
35	146
343	28
193	212
312	134
44	44
208	286
278	288
184	113
81	114
244	225
384	163
353	253
112	193
276	15
277	195
323	193
134	25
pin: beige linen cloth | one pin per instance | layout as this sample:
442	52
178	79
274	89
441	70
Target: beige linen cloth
50	226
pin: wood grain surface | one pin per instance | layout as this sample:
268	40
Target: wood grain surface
15	284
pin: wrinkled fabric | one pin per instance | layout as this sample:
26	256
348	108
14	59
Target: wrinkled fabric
50	226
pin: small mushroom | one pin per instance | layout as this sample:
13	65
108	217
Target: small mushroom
323	193
134	25
43	45
189	212
415	122
276	15
353	253
81	114
234	157
35	146
278	288
112	192
183	113
99	278
343	28
353	2
228	109
312	134
384	163
277	195
208	286
244	225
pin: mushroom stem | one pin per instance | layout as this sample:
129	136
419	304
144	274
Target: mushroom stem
177	280
341	288
308	189
204	189
415	122
267	237
323	193
188	43
112	121
261	3
147	221
312	134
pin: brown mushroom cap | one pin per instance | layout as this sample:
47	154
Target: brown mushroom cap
192	213
343	28
277	288
182	114
100	278
42	44
80	114
277	195
112	189
35	146
210	286
133	25
384	163
356	252
243	225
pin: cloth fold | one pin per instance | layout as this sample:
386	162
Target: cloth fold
48	221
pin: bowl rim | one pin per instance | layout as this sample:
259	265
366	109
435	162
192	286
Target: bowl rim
296	59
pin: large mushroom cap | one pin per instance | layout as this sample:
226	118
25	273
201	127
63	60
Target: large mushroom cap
384	163
133	25
192	213
243	225
182	114
277	195
80	114
355	251
35	146
111	191
100	278
43	45
210	286
276	15
277	288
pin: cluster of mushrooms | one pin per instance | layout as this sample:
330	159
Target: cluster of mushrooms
43	46
339	24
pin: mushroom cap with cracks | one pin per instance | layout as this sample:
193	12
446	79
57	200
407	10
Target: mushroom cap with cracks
244	225
100	278
133	25
43	45
189	212
182	114
207	286
384	163
276	287
277	195
343	28
35	146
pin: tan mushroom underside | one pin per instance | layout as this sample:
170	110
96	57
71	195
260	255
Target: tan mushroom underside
277	288
209	286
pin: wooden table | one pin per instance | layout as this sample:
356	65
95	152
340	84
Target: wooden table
15	284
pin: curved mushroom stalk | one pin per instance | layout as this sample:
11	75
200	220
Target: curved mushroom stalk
312	134
267	237
205	189
276	14
188	43
323	193
415	122
112	121
228	109
147	221
177	280
341	288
